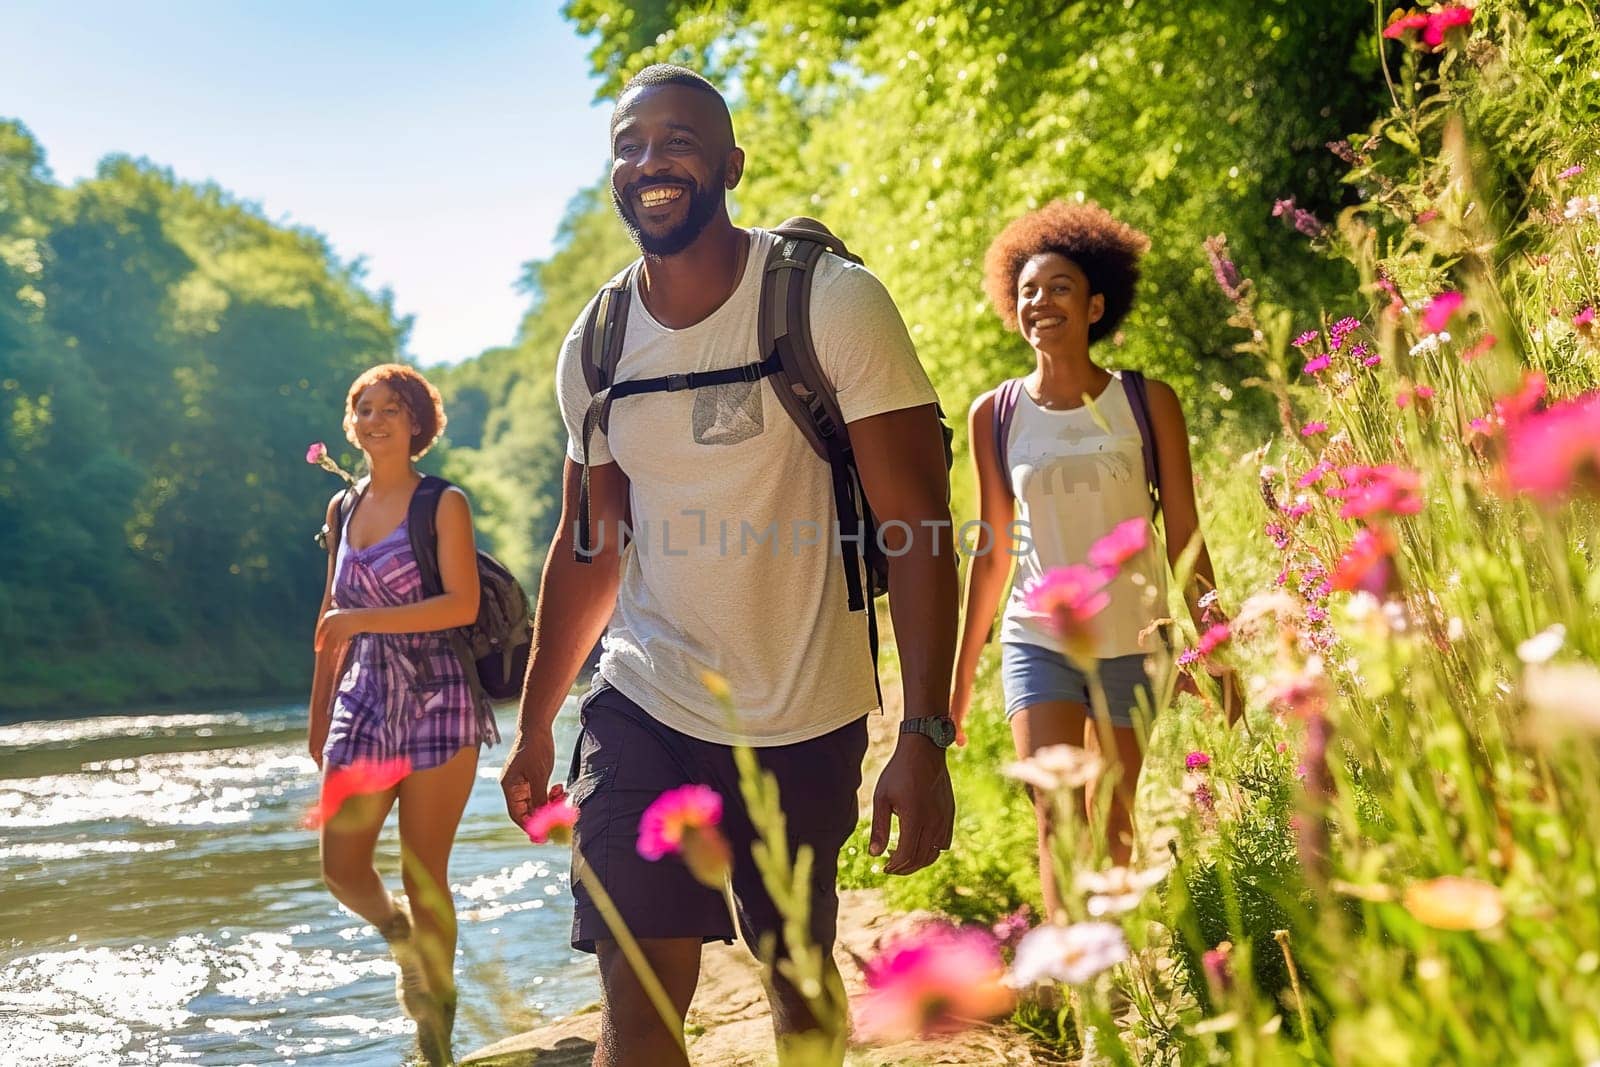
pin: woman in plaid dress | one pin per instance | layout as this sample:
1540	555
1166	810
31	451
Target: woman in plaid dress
388	687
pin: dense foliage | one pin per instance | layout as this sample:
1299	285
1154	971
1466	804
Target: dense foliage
166	354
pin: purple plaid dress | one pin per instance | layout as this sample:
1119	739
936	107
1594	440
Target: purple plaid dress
402	694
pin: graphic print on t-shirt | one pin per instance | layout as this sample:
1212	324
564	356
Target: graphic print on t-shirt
727	414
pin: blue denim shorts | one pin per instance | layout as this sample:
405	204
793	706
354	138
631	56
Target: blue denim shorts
1032	674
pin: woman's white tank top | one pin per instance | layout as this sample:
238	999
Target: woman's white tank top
1075	475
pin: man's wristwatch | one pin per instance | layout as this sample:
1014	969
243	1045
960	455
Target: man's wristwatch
939	729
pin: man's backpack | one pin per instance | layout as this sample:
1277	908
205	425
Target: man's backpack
1134	387
789	357
493	649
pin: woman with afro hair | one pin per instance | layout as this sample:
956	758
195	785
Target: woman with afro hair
387	687
1060	459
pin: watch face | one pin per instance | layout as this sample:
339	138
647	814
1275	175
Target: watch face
943	731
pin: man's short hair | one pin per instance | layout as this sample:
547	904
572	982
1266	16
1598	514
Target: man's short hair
672	74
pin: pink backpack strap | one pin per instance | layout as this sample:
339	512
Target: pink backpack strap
1006	396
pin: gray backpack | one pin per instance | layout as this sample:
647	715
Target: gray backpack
789	359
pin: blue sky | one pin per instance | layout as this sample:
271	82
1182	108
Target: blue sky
439	141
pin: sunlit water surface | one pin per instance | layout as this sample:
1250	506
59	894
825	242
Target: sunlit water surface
161	904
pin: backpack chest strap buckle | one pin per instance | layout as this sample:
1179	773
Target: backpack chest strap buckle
676	382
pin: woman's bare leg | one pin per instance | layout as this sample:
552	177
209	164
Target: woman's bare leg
1129	758
1053	722
431	803
347	843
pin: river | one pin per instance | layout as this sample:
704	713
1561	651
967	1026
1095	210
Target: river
160	903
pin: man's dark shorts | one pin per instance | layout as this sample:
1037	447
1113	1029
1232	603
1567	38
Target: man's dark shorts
624	759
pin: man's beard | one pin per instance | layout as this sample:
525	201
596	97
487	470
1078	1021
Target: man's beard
703	205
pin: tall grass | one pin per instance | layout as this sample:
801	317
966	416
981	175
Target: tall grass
1397	862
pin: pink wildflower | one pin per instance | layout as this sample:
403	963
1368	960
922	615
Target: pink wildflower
1342	329
1384	491
939	977
551	823
1196	760
1282	207
1551	453
1404	23
1315	474
1318	364
1482	345
1443	20
1584	320
1223	268
360	778
1125	541
1009	930
316	452
1366	564
1311	429
1437	315
1305	338
1307	223
1571	172
684	820
1071	597
1425	217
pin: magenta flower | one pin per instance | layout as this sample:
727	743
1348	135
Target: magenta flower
939	977
1071	597
1196	760
1385	490
684	821
1443	20
1305	338
1315	474
1571	172
1584	319
1366	564
1126	540
1552	453
1222	267
1342	329
1318	364
1282	207
1400	26
552	823
359	778
1311	429
1482	345
1440	310
1433	24
1307	223
317	452
1009	930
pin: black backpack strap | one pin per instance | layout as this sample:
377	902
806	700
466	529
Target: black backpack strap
601	351
329	538
422	529
806	393
1006	397
1138	393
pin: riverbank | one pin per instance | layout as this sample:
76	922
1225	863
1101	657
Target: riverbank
729	1023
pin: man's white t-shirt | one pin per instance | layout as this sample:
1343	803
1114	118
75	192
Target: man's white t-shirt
734	566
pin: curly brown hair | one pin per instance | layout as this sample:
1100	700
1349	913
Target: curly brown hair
420	399
1106	250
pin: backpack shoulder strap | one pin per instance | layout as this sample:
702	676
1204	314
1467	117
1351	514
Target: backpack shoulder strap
784	329
329	537
1006	396
422	528
1138	393
604	328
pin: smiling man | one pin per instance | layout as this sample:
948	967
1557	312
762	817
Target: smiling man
736	572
